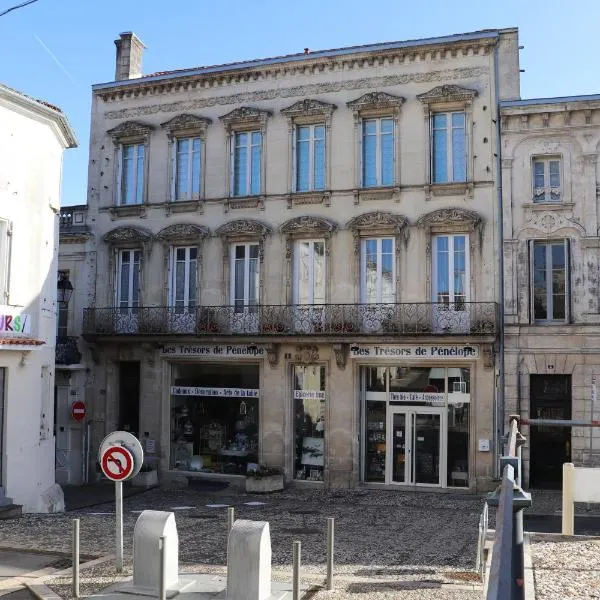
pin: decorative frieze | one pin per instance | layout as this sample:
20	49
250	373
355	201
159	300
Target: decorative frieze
127	235
243	227
244	115
130	130
376	101
186	123
308	225
447	94
308	108
183	232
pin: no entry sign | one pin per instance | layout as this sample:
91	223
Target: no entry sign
78	410
117	463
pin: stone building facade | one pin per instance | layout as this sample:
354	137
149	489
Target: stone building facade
550	184
295	262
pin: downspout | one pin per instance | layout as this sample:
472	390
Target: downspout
499	412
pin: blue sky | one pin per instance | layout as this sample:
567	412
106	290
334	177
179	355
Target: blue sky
56	49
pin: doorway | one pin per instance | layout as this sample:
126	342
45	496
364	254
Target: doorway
549	447
129	397
416	444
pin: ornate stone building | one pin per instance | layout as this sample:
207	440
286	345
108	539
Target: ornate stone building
295	261
550	181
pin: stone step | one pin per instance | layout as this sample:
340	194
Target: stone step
10	511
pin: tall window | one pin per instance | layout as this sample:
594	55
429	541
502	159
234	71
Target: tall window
546	180
450	269
449	148
377	152
183	286
310	158
550	281
129	279
62	322
378	280
244	276
309	272
132	174
247	163
188	161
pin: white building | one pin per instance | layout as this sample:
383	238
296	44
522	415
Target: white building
30	175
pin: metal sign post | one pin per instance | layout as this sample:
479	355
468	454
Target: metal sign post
119	524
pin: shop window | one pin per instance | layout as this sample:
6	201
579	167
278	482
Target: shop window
214	417
418	386
375	416
309	426
459	401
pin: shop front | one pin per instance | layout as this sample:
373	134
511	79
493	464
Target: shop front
417	421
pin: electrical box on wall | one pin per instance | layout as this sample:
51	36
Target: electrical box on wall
484	445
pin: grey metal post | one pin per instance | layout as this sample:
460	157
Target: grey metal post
518	571
296	571
162	573
330	534
119	524
75	577
230	519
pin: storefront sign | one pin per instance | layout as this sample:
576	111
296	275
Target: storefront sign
413	397
229	351
413	351
14	322
309	395
181	390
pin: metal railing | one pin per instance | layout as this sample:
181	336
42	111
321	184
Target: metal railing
66	351
407	319
506	578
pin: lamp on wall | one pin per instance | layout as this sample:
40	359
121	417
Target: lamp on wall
64	290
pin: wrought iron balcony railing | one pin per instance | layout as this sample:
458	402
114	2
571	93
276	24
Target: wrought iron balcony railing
66	352
409	319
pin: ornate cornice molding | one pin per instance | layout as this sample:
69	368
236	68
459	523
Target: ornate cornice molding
186	123
243	227
183	232
129	129
302	91
127	235
550	222
451	216
308	224
245	115
447	93
378	220
308	108
376	101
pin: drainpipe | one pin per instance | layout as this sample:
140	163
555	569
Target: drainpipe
499	412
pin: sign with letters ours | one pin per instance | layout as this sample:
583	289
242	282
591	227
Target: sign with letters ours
214	350
415	351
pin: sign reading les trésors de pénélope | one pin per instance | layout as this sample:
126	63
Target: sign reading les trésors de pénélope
223	351
414	351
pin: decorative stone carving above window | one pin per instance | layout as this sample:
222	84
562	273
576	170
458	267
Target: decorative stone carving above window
121	236
245	116
243	228
308	225
183	233
308	108
130	130
186	124
376	102
452	220
379	223
447	94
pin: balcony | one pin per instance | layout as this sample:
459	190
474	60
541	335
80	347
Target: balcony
330	320
67	352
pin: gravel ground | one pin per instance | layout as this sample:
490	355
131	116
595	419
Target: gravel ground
565	567
405	545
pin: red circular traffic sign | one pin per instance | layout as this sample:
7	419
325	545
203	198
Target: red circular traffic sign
117	463
78	410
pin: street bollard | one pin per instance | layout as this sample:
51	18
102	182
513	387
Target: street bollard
162	573
75	548
230	519
296	572
330	534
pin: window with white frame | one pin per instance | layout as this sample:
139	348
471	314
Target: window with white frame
377	152
378	271
310	158
128	279
244	276
451	270
309	272
550	280
547	179
62	321
188	168
131	187
246	168
5	259
183	285
448	147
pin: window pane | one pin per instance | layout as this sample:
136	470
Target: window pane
303	133
319	164
179	282
370	259
554	173
459	268
440	158
540	307
442	264
302	161
387	277
538	174
196	166
319	273
253	283
387	125
128	175
459	162
192	282
136	284
124	287
182	169
254	251
240	165
303	272
387	152
238	292
369	154
256	158
140	175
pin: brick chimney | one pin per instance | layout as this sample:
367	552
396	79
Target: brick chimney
130	50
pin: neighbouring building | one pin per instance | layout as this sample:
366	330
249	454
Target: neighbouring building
295	262
33	135
550	182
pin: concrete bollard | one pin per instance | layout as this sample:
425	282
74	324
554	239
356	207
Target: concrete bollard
249	561
75	577
230	519
150	528
330	534
296	571
568	499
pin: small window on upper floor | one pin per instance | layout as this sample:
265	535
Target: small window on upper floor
547	179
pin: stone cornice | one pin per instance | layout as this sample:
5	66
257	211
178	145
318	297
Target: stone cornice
308	108
304	66
185	123
375	101
447	93
129	129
